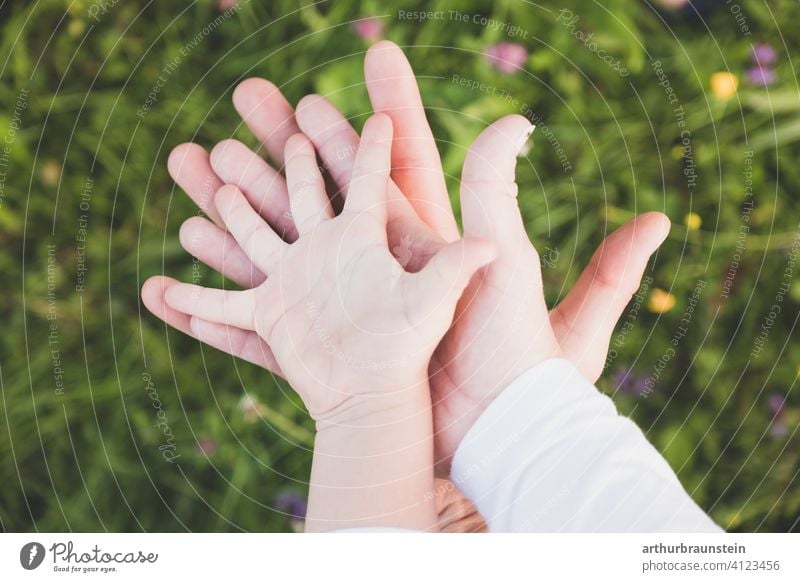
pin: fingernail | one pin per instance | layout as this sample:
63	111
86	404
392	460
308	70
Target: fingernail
523	140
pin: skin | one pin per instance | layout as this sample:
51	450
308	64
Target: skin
470	366
456	513
338	309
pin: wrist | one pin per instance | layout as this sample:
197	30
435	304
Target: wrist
388	401
385	410
373	465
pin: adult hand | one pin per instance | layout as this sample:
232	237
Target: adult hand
581	324
502	327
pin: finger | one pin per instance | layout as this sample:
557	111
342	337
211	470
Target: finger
333	137
443	280
153	298
461	518
255	237
367	191
267	113
234	341
473	523
489	208
307	196
189	166
416	165
240	343
234	308
585	320
217	248
336	143
264	187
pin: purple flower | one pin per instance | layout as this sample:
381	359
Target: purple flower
369	28
761	76
292	503
775	403
761	73
507	57
777	428
630	383
764	55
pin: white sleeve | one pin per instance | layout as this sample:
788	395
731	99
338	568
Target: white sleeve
552	454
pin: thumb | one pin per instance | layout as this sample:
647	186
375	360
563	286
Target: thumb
440	284
488	188
585	320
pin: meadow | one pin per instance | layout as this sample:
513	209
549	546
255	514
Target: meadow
110	421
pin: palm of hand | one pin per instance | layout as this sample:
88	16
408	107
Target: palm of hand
337	313
336	307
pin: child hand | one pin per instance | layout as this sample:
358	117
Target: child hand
344	321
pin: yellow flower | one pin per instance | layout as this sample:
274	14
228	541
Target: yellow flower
734	520
693	221
76	27
660	301
724	85
51	172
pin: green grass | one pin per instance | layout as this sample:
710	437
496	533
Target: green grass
88	459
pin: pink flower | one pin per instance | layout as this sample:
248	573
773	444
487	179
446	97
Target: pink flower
761	76
775	403
369	28
764	55
207	446
224	5
673	4
778	428
507	57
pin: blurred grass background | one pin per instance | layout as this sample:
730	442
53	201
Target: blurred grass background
74	75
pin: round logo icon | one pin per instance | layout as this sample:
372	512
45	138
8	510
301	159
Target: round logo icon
31	555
